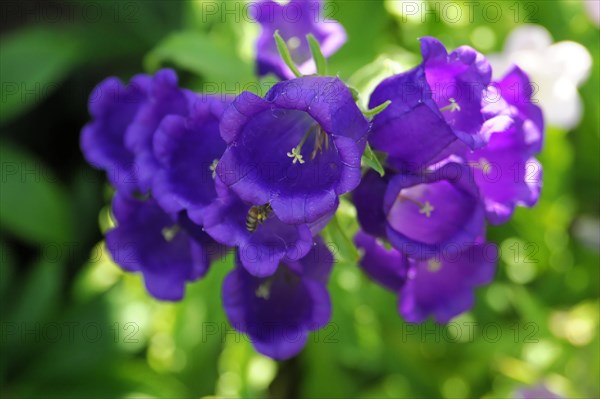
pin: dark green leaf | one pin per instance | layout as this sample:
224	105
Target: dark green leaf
34	205
197	53
34	62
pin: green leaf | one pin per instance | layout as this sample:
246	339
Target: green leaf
200	54
34	61
284	52
335	235
377	110
34	205
315	49
371	160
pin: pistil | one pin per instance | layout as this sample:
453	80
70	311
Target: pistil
170	232
484	165
453	106
264	289
433	265
321	141
424	207
213	168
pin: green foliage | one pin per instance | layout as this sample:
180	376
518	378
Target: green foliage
34	206
34	61
537	322
197	53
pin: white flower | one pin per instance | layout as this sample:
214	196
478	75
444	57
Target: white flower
556	71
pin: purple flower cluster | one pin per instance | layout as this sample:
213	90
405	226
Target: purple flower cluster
196	174
460	152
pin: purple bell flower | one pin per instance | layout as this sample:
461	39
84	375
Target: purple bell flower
387	267
437	211
517	90
167	251
505	174
436	108
297	149
505	170
263	241
277	312
165	98
113	106
120	137
368	199
187	150
294	21
442	287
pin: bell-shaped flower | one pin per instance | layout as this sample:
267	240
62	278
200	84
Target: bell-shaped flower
297	149
435	107
437	211
441	287
278	311
188	150
165	98
113	106
262	239
168	251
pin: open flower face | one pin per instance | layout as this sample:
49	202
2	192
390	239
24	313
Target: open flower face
297	149
435	212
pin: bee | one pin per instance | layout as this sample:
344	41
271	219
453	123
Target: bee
257	215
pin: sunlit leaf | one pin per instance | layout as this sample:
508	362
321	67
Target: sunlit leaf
199	54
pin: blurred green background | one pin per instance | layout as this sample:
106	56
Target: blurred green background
73	325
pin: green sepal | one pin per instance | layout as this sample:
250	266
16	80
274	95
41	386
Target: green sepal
370	159
377	110
315	49
284	52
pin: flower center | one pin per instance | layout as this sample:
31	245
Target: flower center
264	289
433	265
453	106
424	207
170	232
321	142
484	165
213	168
